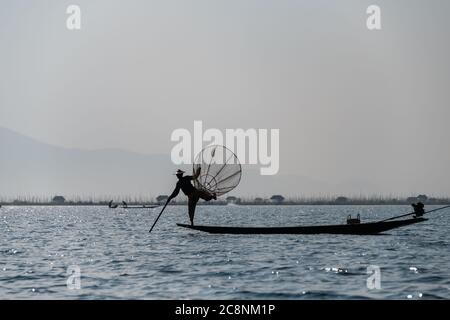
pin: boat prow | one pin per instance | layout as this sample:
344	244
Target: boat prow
356	229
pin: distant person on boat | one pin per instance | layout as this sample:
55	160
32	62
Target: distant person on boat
111	205
194	195
419	209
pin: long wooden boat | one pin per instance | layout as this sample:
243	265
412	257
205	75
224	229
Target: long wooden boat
357	229
138	207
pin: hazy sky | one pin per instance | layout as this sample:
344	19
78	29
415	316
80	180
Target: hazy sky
351	104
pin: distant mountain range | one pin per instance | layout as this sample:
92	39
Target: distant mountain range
32	168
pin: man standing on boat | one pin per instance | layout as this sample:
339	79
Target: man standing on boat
419	209
194	195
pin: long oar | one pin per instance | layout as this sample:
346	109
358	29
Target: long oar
411	213
167	202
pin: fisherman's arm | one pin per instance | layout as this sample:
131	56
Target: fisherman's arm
196	174
175	192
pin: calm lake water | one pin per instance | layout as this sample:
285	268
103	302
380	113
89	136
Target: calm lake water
119	259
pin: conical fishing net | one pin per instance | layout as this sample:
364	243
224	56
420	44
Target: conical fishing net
220	170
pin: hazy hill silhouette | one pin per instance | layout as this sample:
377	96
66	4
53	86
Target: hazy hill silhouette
31	167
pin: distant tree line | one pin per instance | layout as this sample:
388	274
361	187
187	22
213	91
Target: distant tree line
276	199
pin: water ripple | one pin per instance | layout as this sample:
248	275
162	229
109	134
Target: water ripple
119	259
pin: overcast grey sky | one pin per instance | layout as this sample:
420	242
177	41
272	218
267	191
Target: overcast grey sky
351	104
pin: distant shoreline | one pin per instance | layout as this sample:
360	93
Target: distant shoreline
233	200
219	203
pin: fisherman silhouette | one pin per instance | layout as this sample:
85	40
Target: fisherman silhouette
194	195
419	209
112	206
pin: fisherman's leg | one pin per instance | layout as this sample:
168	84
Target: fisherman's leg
192	203
205	195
